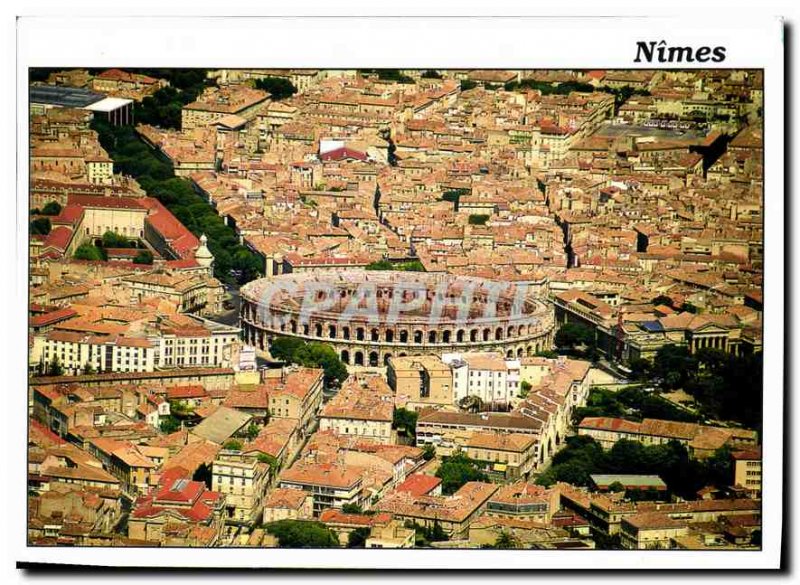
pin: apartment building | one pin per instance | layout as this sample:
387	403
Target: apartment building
243	479
747	470
295	393
363	408
420	381
507	455
487	376
331	485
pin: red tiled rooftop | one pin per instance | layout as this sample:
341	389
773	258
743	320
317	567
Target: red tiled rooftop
419	484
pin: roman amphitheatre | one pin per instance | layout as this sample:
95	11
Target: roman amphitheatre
354	311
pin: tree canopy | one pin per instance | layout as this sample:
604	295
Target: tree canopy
40	226
571	334
278	87
478	219
302	534
405	422
310	354
457	470
583	456
89	252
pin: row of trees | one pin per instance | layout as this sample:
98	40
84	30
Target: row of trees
683	475
632	403
409	266
232	261
310	354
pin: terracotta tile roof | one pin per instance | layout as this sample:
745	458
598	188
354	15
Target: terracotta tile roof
419	484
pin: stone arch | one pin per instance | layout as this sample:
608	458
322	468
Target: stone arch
345	356
473	335
460	336
293	326
520	329
418	336
446	336
373	359
345	332
403	336
358	358
318	329
519	352
374	334
386	359
487	333
498	334
332	331
509	354
360	333
305	329
510	332
432	336
528	351
389	335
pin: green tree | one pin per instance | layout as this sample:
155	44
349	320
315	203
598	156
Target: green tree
478	219
54	367
278	87
672	365
169	424
571	334
662	300
233	445
252	431
379	265
89	252
405	422
524	389
358	538
310	354
428	452
352	509
640	368
506	540
52	208
456	470
40	226
302	534
468	84
113	240
431	74
274	465
471	403
143	257
616	487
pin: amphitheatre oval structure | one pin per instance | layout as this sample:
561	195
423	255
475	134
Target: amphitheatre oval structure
370	316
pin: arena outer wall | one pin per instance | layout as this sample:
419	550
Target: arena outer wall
361	340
